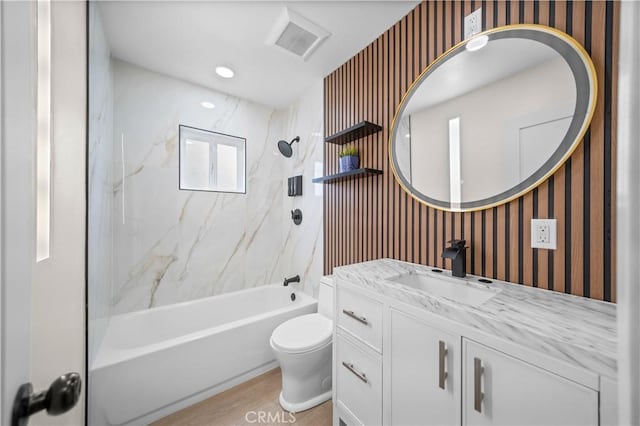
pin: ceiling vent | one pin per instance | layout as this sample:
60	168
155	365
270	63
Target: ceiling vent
296	34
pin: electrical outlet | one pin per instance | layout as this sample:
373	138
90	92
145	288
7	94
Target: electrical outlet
473	23
543	233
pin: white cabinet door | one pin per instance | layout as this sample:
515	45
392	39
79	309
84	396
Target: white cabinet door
425	373
502	390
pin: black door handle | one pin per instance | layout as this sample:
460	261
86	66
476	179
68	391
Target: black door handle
62	396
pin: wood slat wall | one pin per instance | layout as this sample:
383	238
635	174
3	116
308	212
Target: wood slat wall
374	218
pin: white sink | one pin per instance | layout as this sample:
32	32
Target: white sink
450	288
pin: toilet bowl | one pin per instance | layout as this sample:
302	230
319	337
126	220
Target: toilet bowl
302	346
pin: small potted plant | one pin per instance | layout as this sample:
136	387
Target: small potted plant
349	159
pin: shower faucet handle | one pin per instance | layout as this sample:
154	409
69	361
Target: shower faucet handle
296	216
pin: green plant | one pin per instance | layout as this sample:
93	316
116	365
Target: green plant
347	151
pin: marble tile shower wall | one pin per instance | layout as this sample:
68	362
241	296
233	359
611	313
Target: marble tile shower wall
100	181
303	244
171	246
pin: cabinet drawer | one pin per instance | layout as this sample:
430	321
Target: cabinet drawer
361	316
359	381
344	417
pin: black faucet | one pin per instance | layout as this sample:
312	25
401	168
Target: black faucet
457	252
288	281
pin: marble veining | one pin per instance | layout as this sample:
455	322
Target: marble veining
169	246
303	244
575	329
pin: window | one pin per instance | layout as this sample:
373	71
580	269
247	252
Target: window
211	161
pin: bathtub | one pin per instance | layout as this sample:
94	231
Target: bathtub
152	363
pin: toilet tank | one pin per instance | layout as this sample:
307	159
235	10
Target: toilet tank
325	296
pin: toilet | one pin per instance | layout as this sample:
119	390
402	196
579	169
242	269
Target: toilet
302	346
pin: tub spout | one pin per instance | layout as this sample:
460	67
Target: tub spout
288	281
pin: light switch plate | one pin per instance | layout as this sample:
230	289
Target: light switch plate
473	23
543	234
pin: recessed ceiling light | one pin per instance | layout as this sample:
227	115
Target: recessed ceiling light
207	105
477	43
225	72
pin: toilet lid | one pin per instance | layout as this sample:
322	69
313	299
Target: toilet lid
303	333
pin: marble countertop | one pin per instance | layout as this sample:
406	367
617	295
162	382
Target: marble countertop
575	329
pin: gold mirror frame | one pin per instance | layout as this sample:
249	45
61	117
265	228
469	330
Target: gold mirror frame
535	181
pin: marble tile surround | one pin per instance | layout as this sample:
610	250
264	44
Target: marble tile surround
171	246
303	244
100	148
578	330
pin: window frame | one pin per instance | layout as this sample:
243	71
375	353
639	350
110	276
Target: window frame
243	142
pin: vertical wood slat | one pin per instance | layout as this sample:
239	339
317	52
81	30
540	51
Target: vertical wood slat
394	237
404	60
596	184
373	218
542	213
577	184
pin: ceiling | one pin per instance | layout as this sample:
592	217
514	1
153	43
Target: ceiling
188	40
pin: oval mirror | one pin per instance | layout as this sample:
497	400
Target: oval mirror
493	117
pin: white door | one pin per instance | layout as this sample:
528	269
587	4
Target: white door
425	373
42	201
502	390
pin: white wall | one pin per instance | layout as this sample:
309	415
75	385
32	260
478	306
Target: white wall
58	298
628	226
100	182
485	147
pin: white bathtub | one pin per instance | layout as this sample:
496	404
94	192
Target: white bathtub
154	362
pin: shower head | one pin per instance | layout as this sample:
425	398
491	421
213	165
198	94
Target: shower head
285	147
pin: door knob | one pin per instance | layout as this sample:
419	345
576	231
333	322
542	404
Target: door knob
62	396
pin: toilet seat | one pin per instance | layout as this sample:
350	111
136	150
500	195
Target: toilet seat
302	334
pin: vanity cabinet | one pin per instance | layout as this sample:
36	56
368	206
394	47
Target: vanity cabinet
425	373
399	365
501	390
357	359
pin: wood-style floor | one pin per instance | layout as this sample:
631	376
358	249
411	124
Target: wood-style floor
243	404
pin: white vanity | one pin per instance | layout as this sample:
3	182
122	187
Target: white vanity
417	347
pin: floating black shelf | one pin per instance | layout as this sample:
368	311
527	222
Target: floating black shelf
357	173
360	130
